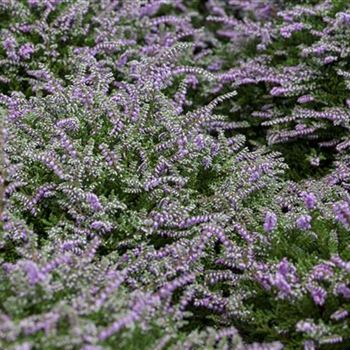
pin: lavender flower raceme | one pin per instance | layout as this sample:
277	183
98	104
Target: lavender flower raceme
304	222
270	221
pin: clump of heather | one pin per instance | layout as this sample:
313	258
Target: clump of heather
174	175
151	189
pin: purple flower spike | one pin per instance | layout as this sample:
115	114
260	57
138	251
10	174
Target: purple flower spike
304	222
342	213
26	50
270	221
309	199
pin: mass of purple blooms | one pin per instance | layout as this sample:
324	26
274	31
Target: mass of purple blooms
174	174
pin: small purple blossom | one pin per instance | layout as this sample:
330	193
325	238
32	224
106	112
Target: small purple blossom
342	212
340	314
25	51
310	199
305	99
101	226
304	222
288	30
270	221
318	295
93	201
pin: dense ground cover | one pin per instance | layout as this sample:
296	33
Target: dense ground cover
174	174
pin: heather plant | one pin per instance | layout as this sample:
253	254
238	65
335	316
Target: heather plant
76	174
174	175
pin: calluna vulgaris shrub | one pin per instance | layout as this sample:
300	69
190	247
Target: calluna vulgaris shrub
175	174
